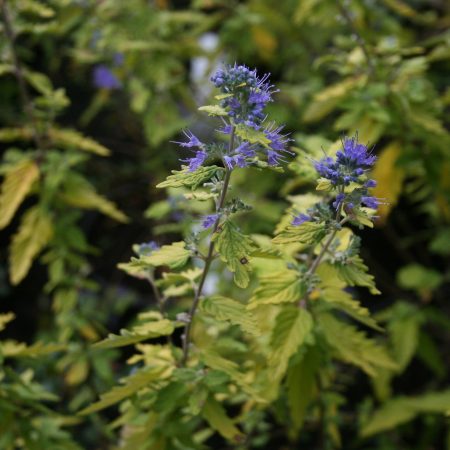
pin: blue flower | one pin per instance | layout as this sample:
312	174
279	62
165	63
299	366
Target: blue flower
196	161
209	220
248	94
300	218
103	78
370	202
351	162
147	248
193	141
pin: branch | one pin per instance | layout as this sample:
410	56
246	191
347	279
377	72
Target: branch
208	260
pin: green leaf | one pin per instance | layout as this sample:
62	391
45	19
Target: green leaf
141	332
354	273
13	349
35	231
174	255
352	345
214	110
16	186
307	233
292	327
344	302
80	193
418	277
223	308
234	249
215	415
302	387
190	179
280	287
251	135
403	409
143	378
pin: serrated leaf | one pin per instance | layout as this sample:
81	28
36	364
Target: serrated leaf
73	139
35	231
281	287
251	135
332	292
234	249
142	332
80	193
223	308
403	409
307	233
214	110
323	184
143	378
215	415
353	346
190	179
302	387
354	273
174	255
292	327
15	187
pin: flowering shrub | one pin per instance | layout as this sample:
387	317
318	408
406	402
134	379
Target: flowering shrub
296	316
251	329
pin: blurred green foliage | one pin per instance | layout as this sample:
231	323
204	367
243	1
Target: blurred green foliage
79	165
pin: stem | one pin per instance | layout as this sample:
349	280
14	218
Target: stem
362	43
323	250
18	71
208	260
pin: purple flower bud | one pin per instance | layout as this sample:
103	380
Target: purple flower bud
300	218
209	221
370	202
371	183
104	78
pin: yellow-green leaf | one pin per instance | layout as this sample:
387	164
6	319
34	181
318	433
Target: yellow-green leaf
213	110
6	318
15	187
193	180
251	135
234	249
306	233
215	415
280	287
141	332
175	256
81	194
143	378
223	308
35	231
292	327
353	346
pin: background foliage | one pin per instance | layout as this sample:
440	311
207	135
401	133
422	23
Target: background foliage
92	93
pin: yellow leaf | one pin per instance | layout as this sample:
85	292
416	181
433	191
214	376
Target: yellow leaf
5	318
325	101
15	187
368	129
389	179
34	233
265	41
77	373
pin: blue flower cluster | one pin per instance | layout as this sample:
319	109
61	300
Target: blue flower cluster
244	94
350	166
351	162
244	97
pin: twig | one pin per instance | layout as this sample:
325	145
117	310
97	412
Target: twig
18	71
362	43
208	260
